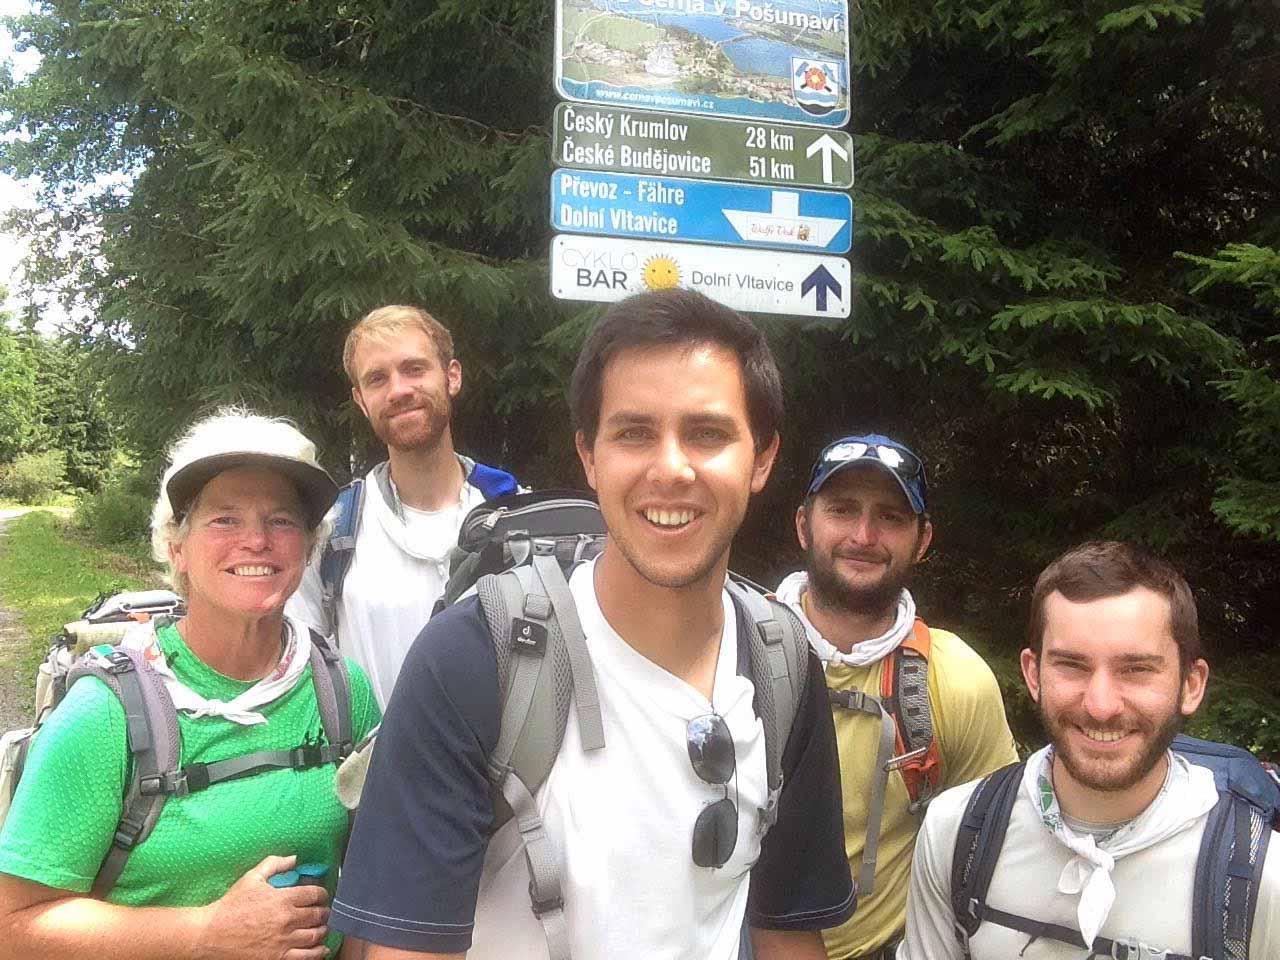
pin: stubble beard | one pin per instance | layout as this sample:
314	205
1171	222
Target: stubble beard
1111	777
696	574
832	591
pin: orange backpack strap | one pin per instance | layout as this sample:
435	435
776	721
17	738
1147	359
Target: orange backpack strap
904	691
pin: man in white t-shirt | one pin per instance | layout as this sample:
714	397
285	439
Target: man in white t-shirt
678	404
387	563
1105	825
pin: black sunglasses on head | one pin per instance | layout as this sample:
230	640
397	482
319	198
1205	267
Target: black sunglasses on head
715	832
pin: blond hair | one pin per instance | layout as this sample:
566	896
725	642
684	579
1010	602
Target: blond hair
385	322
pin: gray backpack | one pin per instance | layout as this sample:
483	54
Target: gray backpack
543	661
155	744
544	664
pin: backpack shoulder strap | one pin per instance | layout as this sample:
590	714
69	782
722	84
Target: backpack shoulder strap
333	694
861	702
338	553
905	694
779	658
1233	849
979	840
491	482
151	730
542	658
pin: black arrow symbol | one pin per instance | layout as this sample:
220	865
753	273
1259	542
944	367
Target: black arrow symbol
822	281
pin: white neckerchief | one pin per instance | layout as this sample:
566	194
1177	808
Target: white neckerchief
863	653
398	531
283	677
1187	795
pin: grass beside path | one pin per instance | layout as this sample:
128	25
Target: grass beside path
49	573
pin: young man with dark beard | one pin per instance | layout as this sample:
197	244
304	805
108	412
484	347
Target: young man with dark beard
406	512
863	527
1104	832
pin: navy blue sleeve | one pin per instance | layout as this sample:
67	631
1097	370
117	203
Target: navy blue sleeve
412	872
802	880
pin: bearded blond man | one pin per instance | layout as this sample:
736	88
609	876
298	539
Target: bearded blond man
376	582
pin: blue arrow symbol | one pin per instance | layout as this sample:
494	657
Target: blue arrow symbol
822	281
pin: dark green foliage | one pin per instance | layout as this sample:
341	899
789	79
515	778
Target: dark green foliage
295	165
70	409
117	514
1065	259
17	396
34	478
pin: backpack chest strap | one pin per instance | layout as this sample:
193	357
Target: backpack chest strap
1130	949
195	777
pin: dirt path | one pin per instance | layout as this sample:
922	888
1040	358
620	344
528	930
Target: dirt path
14	689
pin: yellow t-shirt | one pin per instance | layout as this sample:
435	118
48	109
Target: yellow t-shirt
973	739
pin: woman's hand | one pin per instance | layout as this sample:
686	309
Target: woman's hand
256	921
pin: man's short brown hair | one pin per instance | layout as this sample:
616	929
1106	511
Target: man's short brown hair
385	322
1108	568
677	317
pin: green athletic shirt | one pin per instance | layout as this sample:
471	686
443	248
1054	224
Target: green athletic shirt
69	800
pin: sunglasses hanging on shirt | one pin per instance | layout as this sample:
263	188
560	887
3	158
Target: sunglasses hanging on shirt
711	752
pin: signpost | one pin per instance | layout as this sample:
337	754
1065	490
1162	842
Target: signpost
636	141
688	157
605	270
785	60
624	205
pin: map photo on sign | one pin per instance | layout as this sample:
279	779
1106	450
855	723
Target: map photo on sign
785	60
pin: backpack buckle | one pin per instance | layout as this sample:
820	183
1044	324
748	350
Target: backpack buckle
127	833
167	784
849	699
902	760
541	907
1132	949
116	662
308	755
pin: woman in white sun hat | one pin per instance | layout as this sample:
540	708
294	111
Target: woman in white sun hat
264	709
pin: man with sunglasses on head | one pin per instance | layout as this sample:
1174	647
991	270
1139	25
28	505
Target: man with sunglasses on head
668	839
915	709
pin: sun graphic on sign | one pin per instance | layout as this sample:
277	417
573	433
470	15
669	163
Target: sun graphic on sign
661	273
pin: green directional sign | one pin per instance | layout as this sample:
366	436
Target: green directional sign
638	141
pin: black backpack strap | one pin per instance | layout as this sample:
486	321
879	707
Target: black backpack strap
1228	876
979	841
1102	946
339	551
151	732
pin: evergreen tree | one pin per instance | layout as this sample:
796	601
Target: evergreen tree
70	411
1064	255
17	397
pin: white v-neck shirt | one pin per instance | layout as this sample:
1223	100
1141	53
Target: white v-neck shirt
622	818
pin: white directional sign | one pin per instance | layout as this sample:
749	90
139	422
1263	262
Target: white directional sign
607	269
